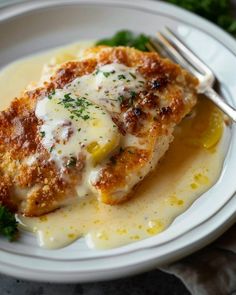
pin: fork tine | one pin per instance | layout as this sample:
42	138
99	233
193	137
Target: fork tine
176	55
192	58
154	46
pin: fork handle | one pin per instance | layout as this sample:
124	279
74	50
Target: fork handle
220	103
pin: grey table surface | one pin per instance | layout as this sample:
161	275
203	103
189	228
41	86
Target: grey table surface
154	282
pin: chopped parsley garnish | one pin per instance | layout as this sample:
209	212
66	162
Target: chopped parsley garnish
133	76
121	98
8	224
133	94
86	117
121	76
67	97
42	133
132	97
96	73
51	149
51	94
106	74
78	107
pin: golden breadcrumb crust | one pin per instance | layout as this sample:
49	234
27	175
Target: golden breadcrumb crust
38	188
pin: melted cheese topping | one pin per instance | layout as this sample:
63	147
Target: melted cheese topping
72	124
190	167
76	122
108	85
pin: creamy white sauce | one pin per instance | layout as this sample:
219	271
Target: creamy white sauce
183	175
108	85
77	121
67	131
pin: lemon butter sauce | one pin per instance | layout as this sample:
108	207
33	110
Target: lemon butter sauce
189	168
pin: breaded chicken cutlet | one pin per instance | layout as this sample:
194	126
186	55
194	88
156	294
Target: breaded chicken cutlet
99	125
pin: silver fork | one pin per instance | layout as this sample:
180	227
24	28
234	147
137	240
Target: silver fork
170	45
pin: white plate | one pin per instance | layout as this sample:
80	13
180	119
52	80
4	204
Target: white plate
38	25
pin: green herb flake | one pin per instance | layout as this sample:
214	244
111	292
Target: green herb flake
42	133
96	72
133	76
67	97
85	117
106	74
121	77
78	107
121	98
132	97
51	94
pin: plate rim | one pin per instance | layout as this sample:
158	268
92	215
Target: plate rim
33	6
26	6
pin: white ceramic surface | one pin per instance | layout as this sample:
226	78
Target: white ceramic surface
38	25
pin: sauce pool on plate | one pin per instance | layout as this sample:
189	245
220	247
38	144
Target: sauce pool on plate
189	168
